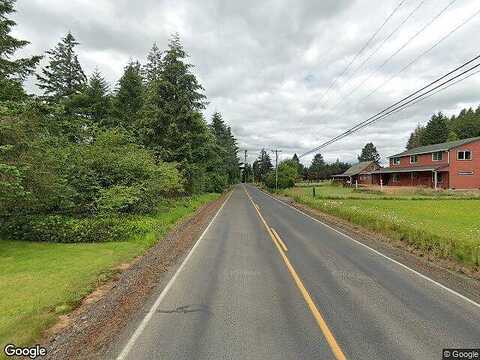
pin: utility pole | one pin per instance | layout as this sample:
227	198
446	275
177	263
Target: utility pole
276	151
245	168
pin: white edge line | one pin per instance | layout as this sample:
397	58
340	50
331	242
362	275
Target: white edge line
164	292
378	252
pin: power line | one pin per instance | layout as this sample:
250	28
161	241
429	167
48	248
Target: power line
373	53
400	105
396	52
394	110
362	49
458	27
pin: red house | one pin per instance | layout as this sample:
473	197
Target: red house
450	165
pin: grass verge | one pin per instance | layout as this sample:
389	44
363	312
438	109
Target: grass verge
40	281
445	228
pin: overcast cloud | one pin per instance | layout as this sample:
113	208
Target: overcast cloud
265	65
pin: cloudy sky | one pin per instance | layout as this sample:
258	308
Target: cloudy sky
267	65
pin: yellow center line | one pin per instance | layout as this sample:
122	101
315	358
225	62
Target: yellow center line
336	350
284	247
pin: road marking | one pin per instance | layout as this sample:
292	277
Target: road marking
336	350
453	292
279	240
164	292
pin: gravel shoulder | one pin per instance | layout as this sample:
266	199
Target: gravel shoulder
89	331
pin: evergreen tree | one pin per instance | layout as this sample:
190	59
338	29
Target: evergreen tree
415	139
172	124
317	167
226	152
12	71
467	124
262	166
369	153
300	168
63	76
436	130
129	97
94	101
153	68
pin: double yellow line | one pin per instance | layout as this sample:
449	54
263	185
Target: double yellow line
282	248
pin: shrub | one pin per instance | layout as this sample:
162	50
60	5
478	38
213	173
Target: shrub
64	229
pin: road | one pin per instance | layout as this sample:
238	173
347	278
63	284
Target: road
243	293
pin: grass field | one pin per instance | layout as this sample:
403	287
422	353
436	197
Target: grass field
39	281
447	227
328	191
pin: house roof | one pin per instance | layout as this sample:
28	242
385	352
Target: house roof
436	147
391	170
356	169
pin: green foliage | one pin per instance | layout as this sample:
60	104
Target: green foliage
369	153
129	97
152	70
63	76
441	128
93	101
287	174
436	130
15	70
415	139
262	166
319	170
71	164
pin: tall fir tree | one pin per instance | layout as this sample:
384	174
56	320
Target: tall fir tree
153	68
63	76
369	153
94	100
262	166
317	169
436	130
172	124
12	71
129	97
415	139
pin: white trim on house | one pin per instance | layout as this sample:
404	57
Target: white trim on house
413	157
464	152
396	160
436	153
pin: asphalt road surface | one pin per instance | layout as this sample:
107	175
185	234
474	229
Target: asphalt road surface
299	291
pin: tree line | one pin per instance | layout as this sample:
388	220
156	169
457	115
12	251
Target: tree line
441	128
85	149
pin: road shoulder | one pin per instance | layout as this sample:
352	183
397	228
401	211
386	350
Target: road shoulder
89	331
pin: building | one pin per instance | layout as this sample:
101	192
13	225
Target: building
450	165
360	173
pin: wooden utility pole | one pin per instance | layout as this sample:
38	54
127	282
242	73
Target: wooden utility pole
245	167
276	151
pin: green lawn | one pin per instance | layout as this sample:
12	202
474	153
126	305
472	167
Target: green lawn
39	281
447	227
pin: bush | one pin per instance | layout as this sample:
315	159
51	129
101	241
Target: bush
287	174
64	229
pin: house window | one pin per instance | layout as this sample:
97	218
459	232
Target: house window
396	161
437	156
413	159
395	178
465	173
464	155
